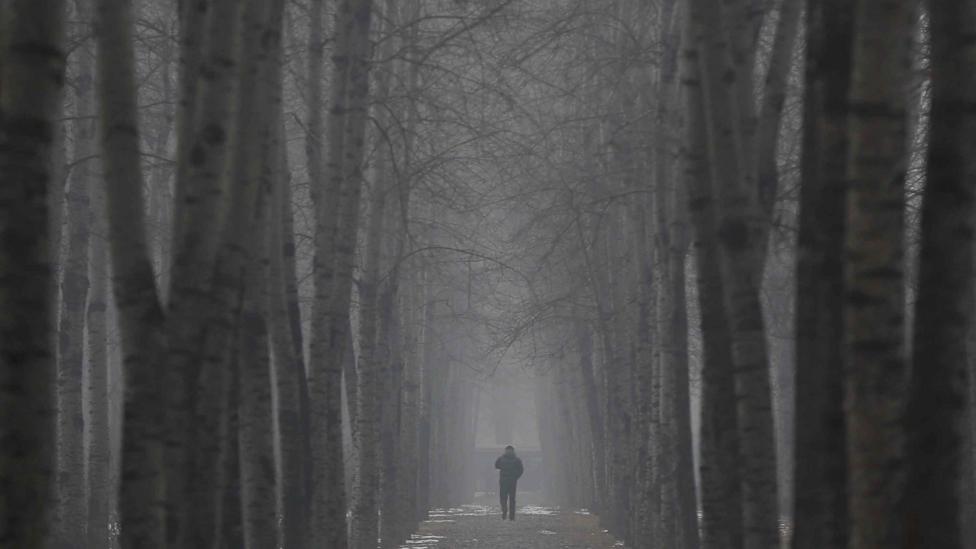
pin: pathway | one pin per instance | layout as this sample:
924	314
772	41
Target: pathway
480	526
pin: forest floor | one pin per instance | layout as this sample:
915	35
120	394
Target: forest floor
480	526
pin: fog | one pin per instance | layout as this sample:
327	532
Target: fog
451	274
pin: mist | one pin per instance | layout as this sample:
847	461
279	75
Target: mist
447	274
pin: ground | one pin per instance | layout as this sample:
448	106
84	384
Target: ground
479	526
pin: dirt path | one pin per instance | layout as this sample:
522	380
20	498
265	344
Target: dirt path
534	527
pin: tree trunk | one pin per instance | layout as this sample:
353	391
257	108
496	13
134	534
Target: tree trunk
409	428
874	307
672	219
740	244
140	315
596	265
228	525
191	461
404	329
256	434
684	452
721	525
374	345
313	150
937	410
31	79
100	485
820	493
584	347
250	171
160	199
365	523
72	514
194	222
291	385
336	221
390	412
427	358
256	427
193	19
313	92
618	390
771	109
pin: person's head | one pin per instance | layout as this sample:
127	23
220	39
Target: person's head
510	450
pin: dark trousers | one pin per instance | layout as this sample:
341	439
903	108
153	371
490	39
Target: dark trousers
506	492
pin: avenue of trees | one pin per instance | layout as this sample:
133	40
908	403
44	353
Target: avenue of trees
259	259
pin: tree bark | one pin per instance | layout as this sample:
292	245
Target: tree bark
229	525
390	414
291	385
256	435
720	477
327	520
683	450
72	514
250	169
313	92
31	80
820	493
365	522
740	240
672	218
336	221
427	368
409	429
771	109
99	432
874	306
142	495
584	347
192	451
374	347
937	410
193	18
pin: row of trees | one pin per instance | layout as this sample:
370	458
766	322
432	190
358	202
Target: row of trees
839	167
734	239
236	217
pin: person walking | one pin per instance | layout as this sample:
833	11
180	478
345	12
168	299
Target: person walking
509	470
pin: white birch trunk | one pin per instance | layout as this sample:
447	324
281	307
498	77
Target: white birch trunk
721	525
141	499
72	515
202	196
336	222
99	456
740	261
291	385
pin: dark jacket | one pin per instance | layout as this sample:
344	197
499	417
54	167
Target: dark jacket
509	467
